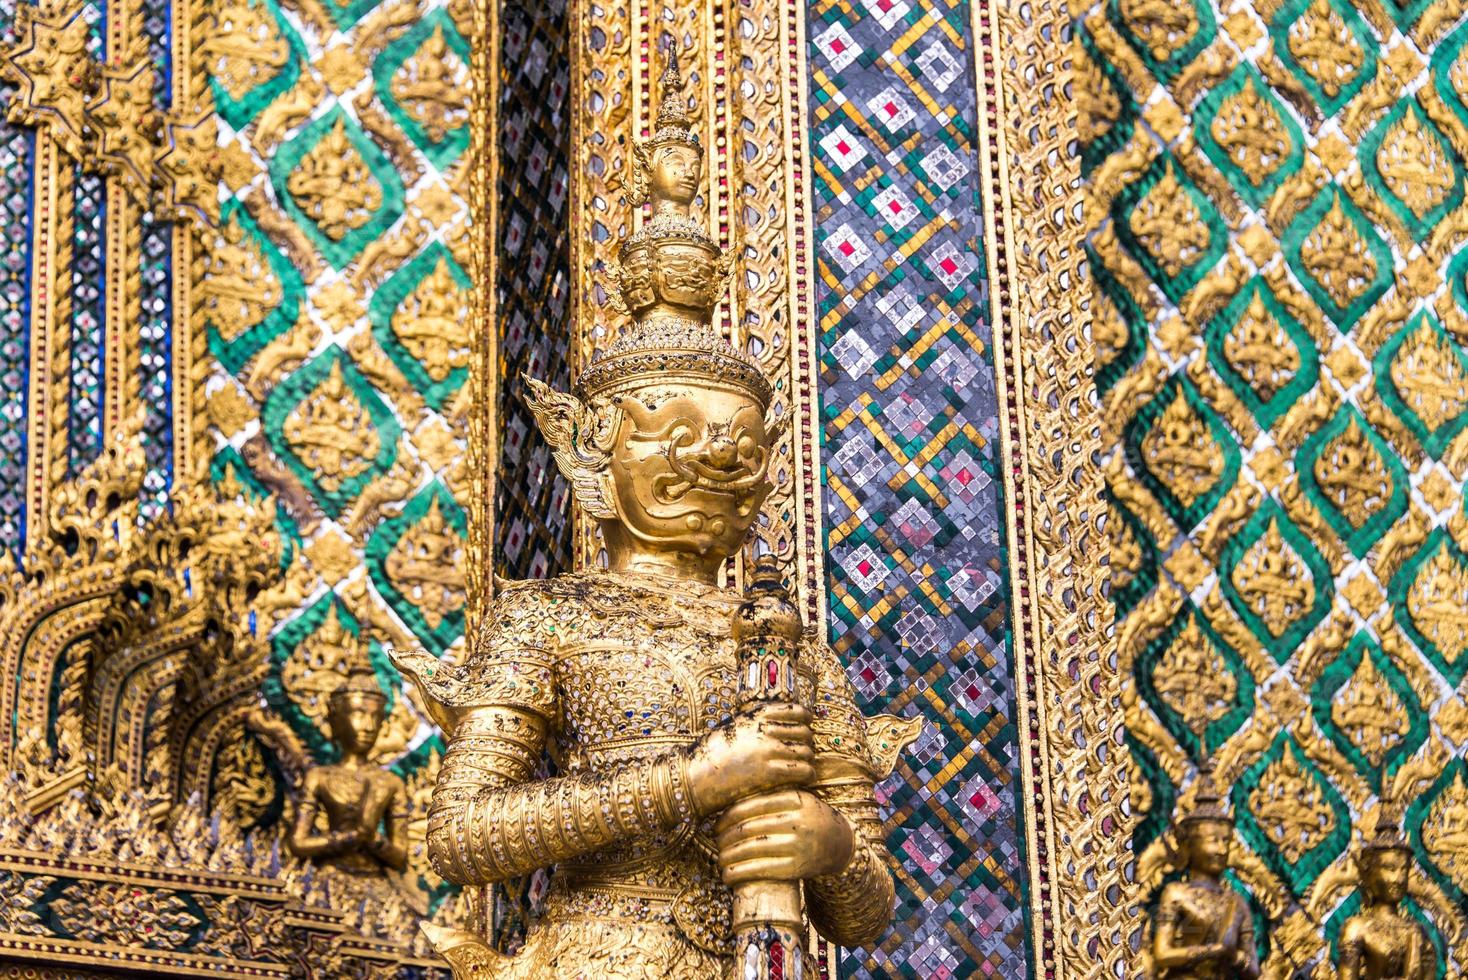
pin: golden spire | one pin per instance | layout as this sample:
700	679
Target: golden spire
673	122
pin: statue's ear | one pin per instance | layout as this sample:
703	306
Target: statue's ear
556	412
579	441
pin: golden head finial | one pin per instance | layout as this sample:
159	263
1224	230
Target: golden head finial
1387	835
1209	805
673	121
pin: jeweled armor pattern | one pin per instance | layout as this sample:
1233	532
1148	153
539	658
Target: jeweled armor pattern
621	672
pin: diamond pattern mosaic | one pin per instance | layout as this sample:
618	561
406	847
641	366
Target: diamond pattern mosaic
532	525
912	503
84	416
1282	323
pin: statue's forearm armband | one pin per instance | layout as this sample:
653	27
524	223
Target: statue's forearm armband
853	906
502	831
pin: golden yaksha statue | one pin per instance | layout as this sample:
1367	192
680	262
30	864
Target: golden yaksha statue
365	805
1202	929
666	793
1381	942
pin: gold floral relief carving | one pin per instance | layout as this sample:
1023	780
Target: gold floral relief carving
1291	807
1415	165
248	48
1162	26
1338	257
239	288
430	323
1180	451
1168	224
334	186
1249	129
426	567
331	431
1126	553
242	786
123	914
1445	831
432	86
1438	603
1371	714
1430	376
1192	679
1273	581
1323	44
1261	351
318	666
1353	475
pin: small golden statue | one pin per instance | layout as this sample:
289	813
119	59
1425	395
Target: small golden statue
1381	942
365	805
1202	929
672	787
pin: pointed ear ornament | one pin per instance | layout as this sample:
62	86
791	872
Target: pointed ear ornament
580	438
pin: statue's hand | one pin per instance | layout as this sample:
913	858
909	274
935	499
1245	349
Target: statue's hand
761	750
784	836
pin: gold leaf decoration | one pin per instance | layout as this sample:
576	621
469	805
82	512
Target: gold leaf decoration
242	786
1338	257
1370	713
1291	807
1438	603
246	49
319	664
1126	552
1260	350
240	289
1352	474
1251	132
432	86
1415	165
432	322
124	915
1429	374
1163	27
1274	581
1181	452
1324	46
331	432
334	186
1193	680
1445	831
426	567
1168	224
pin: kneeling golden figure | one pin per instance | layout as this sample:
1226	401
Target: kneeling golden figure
1382	942
1202	929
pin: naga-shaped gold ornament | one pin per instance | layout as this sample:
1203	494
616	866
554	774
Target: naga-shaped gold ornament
668	793
1202	928
1381	941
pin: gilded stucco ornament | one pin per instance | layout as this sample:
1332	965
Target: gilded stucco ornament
667	791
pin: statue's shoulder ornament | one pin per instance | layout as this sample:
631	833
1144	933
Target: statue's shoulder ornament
872	742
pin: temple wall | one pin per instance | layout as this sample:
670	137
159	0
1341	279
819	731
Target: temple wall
1276	236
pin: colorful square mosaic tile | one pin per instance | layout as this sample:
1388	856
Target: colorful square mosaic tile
912	504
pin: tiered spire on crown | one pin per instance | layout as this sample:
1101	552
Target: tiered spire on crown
1208	803
673	122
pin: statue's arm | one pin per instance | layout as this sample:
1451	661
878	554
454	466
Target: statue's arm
1167	952
304	841
1248	951
490	820
854	906
391	847
1351	953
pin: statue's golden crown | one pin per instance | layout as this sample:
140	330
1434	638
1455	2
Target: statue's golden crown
673	123
671	349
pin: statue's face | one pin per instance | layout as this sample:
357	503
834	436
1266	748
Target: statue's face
674	172
355	720
1384	875
1208	844
689	467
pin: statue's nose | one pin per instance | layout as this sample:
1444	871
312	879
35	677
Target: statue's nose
723	453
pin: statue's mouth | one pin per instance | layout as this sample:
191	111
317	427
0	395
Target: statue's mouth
716	468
